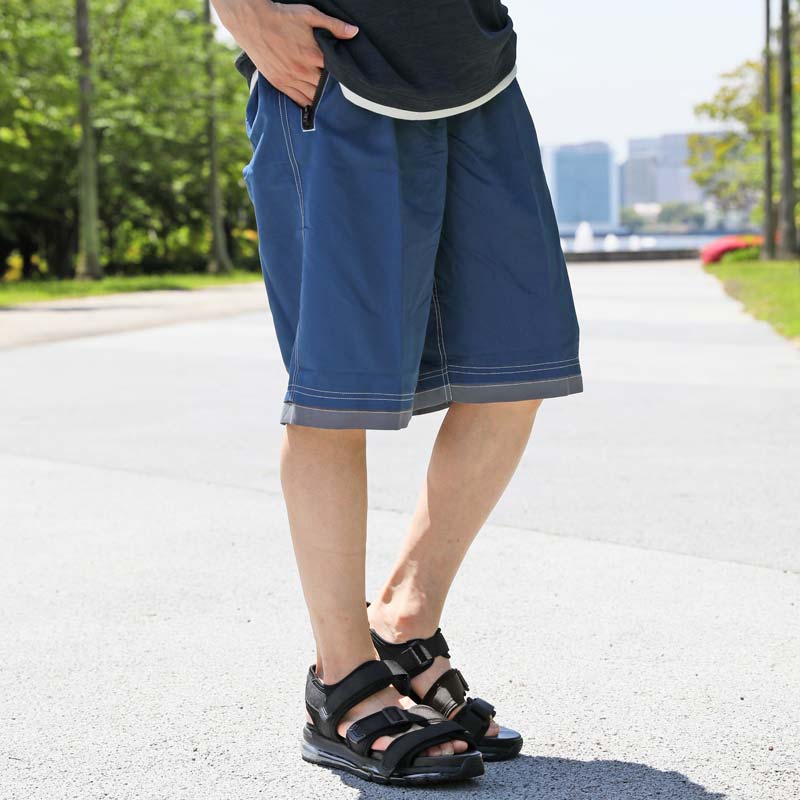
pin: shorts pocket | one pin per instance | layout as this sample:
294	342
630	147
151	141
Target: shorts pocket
308	116
251	111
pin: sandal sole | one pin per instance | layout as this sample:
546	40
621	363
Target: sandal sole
504	754
333	755
503	747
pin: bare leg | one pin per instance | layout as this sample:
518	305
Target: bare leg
477	451
324	478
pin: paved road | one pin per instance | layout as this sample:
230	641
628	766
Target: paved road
69	318
634	606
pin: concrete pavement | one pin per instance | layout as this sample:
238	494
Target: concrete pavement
633	606
70	318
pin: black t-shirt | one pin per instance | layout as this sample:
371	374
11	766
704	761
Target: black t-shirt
419	59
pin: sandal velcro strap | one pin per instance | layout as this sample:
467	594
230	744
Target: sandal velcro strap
415	655
327	704
402	750
447	692
387	722
475	716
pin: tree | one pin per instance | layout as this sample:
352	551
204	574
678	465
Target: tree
788	223
682	214
88	263
730	164
39	137
632	220
149	90
219	260
768	251
727	164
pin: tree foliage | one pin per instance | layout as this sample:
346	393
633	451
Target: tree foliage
151	128
729	164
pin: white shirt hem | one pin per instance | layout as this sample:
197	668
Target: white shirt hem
401	113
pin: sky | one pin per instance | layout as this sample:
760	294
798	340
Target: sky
621	69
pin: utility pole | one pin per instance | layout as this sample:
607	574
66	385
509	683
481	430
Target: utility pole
88	263
788	225
219	260
768	251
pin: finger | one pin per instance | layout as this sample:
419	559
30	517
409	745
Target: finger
313	56
299	98
339	28
307	74
305	88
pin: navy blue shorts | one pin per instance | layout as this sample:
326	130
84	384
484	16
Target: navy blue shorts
408	264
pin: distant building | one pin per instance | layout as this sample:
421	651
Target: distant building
583	183
639	177
656	172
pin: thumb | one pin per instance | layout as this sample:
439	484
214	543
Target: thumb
339	28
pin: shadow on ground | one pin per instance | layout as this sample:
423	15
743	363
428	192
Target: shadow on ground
539	778
42	305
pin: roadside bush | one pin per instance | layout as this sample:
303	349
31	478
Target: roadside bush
743	254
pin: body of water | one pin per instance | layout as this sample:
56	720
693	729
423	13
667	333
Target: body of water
584	241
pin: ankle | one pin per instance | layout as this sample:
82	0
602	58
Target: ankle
402	618
332	669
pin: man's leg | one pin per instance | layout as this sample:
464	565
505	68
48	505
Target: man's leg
324	477
475	455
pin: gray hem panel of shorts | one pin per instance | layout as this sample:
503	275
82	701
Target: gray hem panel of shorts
427	402
312	417
496	392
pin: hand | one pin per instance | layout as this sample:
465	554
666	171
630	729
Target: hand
280	40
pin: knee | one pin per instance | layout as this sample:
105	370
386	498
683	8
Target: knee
325	439
520	412
524	408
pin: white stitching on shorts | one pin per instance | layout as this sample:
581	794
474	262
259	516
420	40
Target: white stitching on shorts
504	385
330	392
295	167
321	396
514	366
287	137
440	341
512	371
345	396
347	410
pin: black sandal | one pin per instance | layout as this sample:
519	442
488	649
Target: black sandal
449	692
400	763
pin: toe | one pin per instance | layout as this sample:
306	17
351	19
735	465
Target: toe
448	748
445	749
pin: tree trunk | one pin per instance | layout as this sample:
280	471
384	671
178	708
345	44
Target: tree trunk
88	264
768	251
788	225
219	260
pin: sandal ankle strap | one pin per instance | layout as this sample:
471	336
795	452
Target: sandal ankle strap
328	703
415	655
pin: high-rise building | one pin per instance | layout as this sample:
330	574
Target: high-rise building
583	183
656	172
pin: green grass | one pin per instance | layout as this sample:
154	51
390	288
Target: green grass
770	290
14	292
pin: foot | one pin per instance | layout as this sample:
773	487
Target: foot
391	697
392	632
